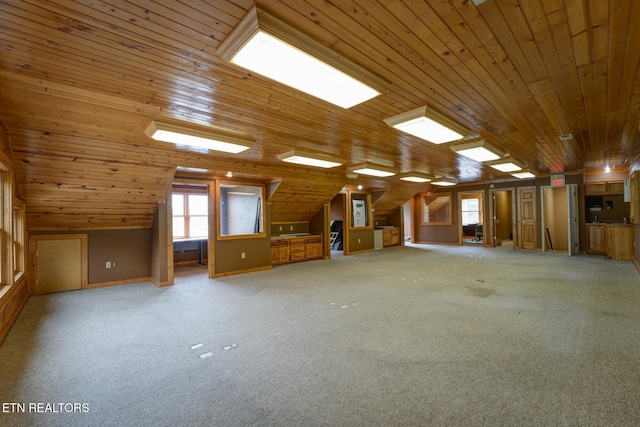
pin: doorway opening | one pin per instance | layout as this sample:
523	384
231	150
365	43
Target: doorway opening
336	223
502	214
559	219
190	224
471	214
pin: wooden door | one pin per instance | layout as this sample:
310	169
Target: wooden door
526	218
58	266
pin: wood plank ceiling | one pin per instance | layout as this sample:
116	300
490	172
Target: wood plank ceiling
80	80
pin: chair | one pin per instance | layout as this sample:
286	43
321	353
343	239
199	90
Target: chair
478	234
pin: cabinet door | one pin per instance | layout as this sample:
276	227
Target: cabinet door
596	239
395	237
596	188
615	187
386	238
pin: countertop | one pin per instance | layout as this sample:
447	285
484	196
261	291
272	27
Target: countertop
290	235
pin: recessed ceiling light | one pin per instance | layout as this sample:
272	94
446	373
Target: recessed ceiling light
427	124
308	158
444	182
415	177
372	169
523	174
186	136
505	165
480	151
262	43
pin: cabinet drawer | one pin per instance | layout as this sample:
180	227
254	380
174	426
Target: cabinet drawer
298	256
297	248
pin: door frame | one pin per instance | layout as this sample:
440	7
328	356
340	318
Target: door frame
492	229
483	195
33	259
573	231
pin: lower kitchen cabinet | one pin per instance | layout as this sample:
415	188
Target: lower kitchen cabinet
292	249
620	242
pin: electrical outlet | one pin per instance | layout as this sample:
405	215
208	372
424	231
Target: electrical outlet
242	255
113	264
358	240
280	228
108	265
291	228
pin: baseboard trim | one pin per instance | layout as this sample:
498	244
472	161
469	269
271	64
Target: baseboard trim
119	282
248	270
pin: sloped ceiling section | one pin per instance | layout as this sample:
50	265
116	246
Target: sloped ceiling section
394	197
299	199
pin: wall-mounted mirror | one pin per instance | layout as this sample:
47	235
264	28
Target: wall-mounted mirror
436	209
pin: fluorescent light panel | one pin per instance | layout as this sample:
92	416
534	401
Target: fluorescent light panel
415	177
444	182
523	175
480	151
506	165
196	138
428	125
269	47
373	169
310	159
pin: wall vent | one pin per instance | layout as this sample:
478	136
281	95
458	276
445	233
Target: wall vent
566	137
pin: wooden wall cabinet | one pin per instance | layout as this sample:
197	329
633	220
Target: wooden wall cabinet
292	249
620	242
609	187
596	238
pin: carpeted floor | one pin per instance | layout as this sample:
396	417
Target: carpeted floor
416	335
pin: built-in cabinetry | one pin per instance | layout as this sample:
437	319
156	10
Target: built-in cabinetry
292	249
620	242
390	237
614	240
604	187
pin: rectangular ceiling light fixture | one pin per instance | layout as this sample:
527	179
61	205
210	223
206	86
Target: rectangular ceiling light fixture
444	182
428	124
268	46
209	140
415	177
505	165
310	159
523	174
373	169
480	151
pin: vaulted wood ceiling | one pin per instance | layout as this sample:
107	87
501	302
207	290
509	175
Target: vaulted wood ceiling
80	80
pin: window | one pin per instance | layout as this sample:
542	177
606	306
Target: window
19	233
436	209
471	211
190	215
241	211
